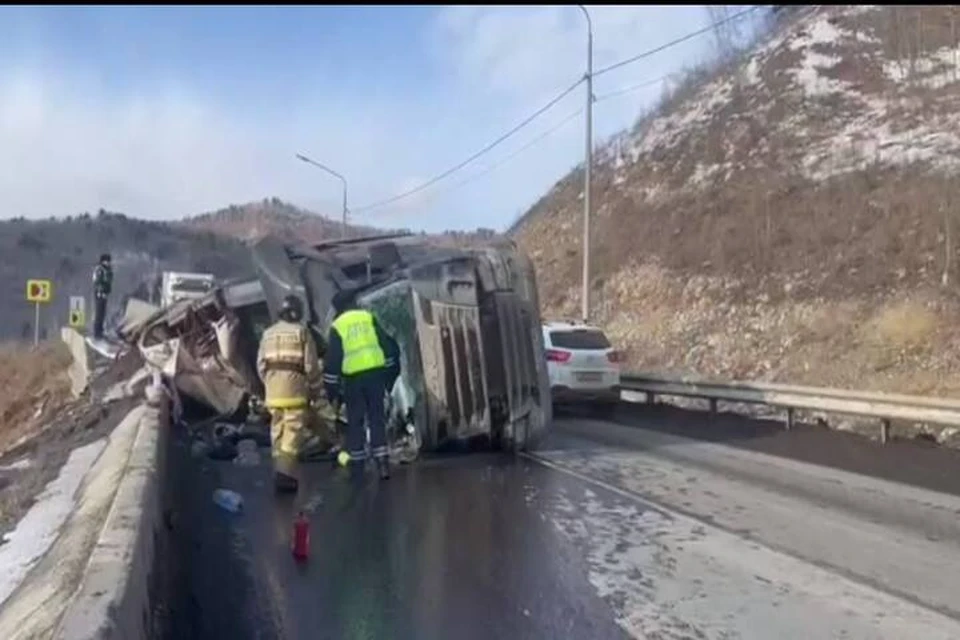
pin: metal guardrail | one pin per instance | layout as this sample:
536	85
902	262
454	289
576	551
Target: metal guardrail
885	406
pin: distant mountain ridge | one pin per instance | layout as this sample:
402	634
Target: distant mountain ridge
65	251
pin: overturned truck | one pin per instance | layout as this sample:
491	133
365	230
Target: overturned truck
467	322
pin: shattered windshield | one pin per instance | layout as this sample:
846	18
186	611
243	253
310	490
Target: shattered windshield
393	307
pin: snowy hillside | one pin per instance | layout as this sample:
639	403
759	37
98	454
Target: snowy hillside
791	202
839	90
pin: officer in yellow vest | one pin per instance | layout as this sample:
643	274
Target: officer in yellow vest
289	367
362	360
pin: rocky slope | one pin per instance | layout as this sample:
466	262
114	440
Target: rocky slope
787	215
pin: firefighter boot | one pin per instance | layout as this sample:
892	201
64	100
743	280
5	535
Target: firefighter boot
284	480
284	483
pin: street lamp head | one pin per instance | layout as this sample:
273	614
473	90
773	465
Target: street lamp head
336	175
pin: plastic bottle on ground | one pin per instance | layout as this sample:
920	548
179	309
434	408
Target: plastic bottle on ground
228	500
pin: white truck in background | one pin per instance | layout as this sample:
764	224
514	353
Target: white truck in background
180	285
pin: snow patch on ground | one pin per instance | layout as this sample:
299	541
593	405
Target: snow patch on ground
22	463
934	70
25	545
821	31
665	131
870	138
808	76
860	127
704	173
668	576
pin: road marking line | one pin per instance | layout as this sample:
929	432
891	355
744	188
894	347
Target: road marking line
624	493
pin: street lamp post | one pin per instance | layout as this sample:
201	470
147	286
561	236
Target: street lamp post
343	230
588	166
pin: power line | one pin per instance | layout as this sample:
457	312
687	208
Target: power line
476	155
533	142
554	101
680	40
562	123
632	88
545	134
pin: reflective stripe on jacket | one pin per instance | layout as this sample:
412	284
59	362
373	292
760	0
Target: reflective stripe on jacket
288	365
361	348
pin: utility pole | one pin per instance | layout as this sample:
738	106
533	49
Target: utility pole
587	170
343	229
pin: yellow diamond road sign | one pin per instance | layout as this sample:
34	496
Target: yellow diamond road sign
39	290
76	311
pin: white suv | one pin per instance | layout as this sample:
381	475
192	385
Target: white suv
581	363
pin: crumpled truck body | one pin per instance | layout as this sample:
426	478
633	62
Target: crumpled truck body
467	322
203	347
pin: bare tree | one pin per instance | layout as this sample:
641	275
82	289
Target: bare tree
947	213
726	32
953	39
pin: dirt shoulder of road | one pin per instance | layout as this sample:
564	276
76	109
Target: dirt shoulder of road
35	388
41	423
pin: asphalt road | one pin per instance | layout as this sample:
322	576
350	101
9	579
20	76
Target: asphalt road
447	548
608	532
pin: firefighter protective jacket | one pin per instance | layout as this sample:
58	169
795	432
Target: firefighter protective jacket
288	365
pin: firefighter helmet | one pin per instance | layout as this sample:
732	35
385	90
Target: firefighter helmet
292	309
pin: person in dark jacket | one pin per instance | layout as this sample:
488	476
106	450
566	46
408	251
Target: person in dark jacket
361	359
102	286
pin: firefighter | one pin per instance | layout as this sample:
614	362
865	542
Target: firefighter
362	359
288	365
102	285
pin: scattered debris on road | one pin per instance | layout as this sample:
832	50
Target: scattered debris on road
228	500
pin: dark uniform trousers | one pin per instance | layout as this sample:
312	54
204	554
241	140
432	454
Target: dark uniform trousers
99	313
364	394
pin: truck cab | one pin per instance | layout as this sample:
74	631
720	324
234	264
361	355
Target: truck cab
467	322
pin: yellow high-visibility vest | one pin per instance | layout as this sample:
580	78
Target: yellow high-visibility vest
361	349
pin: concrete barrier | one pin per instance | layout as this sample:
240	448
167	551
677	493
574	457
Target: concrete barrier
79	370
114	599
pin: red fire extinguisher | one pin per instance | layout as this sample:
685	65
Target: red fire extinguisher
301	537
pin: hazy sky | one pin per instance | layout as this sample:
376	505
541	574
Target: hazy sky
161	112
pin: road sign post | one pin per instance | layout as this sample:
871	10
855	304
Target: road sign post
38	292
77	315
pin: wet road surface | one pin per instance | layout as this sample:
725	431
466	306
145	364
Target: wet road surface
447	548
611	532
777	536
